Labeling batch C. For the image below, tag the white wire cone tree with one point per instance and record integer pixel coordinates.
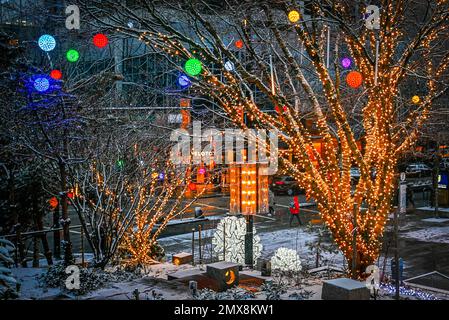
(302, 84)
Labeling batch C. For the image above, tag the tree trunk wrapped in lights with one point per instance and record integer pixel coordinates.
(280, 62)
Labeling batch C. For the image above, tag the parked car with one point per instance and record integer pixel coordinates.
(285, 185)
(444, 164)
(418, 170)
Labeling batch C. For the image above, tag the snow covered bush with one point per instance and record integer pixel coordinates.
(230, 236)
(91, 279)
(8, 285)
(285, 260)
(230, 294)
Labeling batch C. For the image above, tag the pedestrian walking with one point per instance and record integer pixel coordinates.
(294, 211)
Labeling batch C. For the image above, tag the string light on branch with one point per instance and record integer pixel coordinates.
(100, 40)
(72, 55)
(46, 42)
(354, 79)
(293, 16)
(193, 67)
(56, 74)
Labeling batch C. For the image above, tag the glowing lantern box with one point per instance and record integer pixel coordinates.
(248, 189)
(225, 273)
(182, 258)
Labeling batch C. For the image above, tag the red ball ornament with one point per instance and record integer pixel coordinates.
(354, 79)
(100, 40)
(56, 74)
(239, 44)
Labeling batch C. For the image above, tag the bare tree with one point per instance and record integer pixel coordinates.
(285, 65)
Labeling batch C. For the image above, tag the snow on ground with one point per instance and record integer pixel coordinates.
(429, 234)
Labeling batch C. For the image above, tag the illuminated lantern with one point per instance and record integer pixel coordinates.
(354, 79)
(193, 67)
(46, 42)
(201, 171)
(53, 202)
(416, 99)
(184, 81)
(239, 44)
(41, 84)
(230, 277)
(100, 40)
(56, 74)
(229, 66)
(72, 55)
(248, 189)
(293, 16)
(346, 62)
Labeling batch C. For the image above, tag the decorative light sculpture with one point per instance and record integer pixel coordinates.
(346, 62)
(416, 99)
(72, 55)
(286, 260)
(293, 16)
(229, 240)
(100, 40)
(56, 74)
(193, 67)
(41, 84)
(46, 42)
(354, 79)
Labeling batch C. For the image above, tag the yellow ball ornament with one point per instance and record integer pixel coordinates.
(416, 99)
(293, 16)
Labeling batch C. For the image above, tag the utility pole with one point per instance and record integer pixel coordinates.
(402, 207)
(354, 243)
(249, 241)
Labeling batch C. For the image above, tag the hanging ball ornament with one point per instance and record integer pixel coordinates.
(416, 99)
(193, 67)
(229, 66)
(354, 79)
(46, 42)
(41, 84)
(100, 40)
(72, 55)
(184, 81)
(293, 16)
(239, 44)
(56, 74)
(346, 62)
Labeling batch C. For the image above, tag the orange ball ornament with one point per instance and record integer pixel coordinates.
(239, 44)
(354, 79)
(53, 202)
